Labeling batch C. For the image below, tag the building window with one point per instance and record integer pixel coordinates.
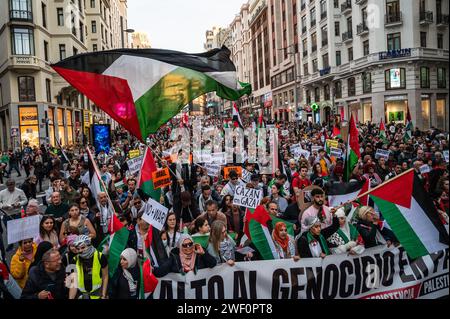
(74, 28)
(308, 97)
(326, 92)
(26, 89)
(350, 54)
(81, 32)
(314, 42)
(48, 90)
(94, 47)
(394, 41)
(395, 79)
(424, 77)
(304, 24)
(92, 3)
(337, 29)
(46, 50)
(94, 26)
(317, 94)
(442, 78)
(323, 9)
(44, 15)
(366, 47)
(305, 47)
(22, 41)
(324, 34)
(75, 51)
(62, 51)
(351, 87)
(29, 125)
(315, 65)
(423, 39)
(367, 82)
(305, 69)
(440, 41)
(338, 58)
(312, 14)
(338, 89)
(21, 9)
(60, 15)
(61, 133)
(325, 61)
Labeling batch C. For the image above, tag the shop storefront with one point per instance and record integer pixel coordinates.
(425, 109)
(395, 108)
(354, 108)
(69, 125)
(367, 110)
(51, 126)
(61, 135)
(29, 125)
(441, 123)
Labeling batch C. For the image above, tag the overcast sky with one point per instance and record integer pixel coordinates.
(180, 24)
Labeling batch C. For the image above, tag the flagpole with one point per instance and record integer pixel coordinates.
(372, 189)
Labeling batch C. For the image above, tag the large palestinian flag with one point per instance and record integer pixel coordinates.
(339, 193)
(144, 88)
(411, 215)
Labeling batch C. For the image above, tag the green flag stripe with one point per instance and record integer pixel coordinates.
(260, 240)
(350, 164)
(147, 188)
(175, 90)
(118, 244)
(401, 227)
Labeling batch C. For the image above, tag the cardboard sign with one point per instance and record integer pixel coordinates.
(23, 228)
(332, 143)
(336, 152)
(247, 197)
(424, 169)
(134, 165)
(213, 169)
(161, 178)
(228, 169)
(445, 153)
(155, 214)
(304, 153)
(133, 153)
(382, 153)
(296, 150)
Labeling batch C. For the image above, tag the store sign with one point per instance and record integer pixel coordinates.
(392, 54)
(395, 78)
(28, 116)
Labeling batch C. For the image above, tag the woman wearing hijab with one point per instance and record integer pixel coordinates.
(372, 230)
(347, 237)
(41, 249)
(313, 243)
(126, 280)
(186, 257)
(284, 243)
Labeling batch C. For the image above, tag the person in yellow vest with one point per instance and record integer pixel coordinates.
(91, 271)
(21, 261)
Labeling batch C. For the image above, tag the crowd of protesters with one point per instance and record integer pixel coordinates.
(75, 223)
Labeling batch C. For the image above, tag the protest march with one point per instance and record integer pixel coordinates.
(201, 207)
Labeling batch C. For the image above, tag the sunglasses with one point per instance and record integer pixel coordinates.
(188, 245)
(83, 202)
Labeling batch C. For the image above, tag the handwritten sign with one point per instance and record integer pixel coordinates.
(161, 178)
(23, 228)
(155, 214)
(133, 153)
(382, 153)
(134, 165)
(424, 169)
(228, 169)
(247, 197)
(213, 169)
(445, 153)
(336, 152)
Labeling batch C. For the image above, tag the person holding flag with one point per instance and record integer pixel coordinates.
(126, 281)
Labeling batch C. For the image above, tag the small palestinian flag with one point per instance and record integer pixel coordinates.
(144, 88)
(145, 177)
(336, 132)
(148, 279)
(383, 132)
(409, 126)
(236, 117)
(339, 193)
(257, 231)
(118, 239)
(353, 153)
(411, 215)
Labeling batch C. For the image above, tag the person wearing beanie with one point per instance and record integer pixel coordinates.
(347, 238)
(68, 258)
(313, 242)
(92, 271)
(186, 257)
(372, 230)
(126, 281)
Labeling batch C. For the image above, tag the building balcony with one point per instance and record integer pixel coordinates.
(393, 19)
(347, 36)
(362, 29)
(313, 23)
(25, 64)
(425, 17)
(442, 20)
(325, 71)
(21, 15)
(346, 7)
(360, 2)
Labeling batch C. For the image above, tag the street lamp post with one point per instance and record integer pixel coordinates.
(127, 31)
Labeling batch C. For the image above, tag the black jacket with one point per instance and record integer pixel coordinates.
(188, 214)
(173, 264)
(368, 232)
(118, 285)
(303, 246)
(39, 280)
(29, 189)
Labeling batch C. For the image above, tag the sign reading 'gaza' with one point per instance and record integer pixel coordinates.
(247, 197)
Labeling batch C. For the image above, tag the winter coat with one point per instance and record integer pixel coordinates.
(39, 280)
(19, 269)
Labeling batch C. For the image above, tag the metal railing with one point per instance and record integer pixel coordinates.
(361, 28)
(426, 17)
(442, 19)
(23, 15)
(347, 36)
(346, 7)
(393, 18)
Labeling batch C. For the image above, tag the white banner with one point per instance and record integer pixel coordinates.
(134, 165)
(23, 228)
(379, 273)
(382, 153)
(247, 197)
(155, 214)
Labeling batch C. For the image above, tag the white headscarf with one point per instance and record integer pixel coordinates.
(131, 256)
(346, 228)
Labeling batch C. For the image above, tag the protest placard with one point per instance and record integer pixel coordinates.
(445, 153)
(213, 169)
(304, 153)
(284, 133)
(161, 178)
(228, 169)
(424, 169)
(332, 143)
(134, 165)
(133, 153)
(247, 197)
(155, 214)
(218, 158)
(246, 175)
(336, 152)
(315, 148)
(382, 153)
(23, 228)
(296, 150)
